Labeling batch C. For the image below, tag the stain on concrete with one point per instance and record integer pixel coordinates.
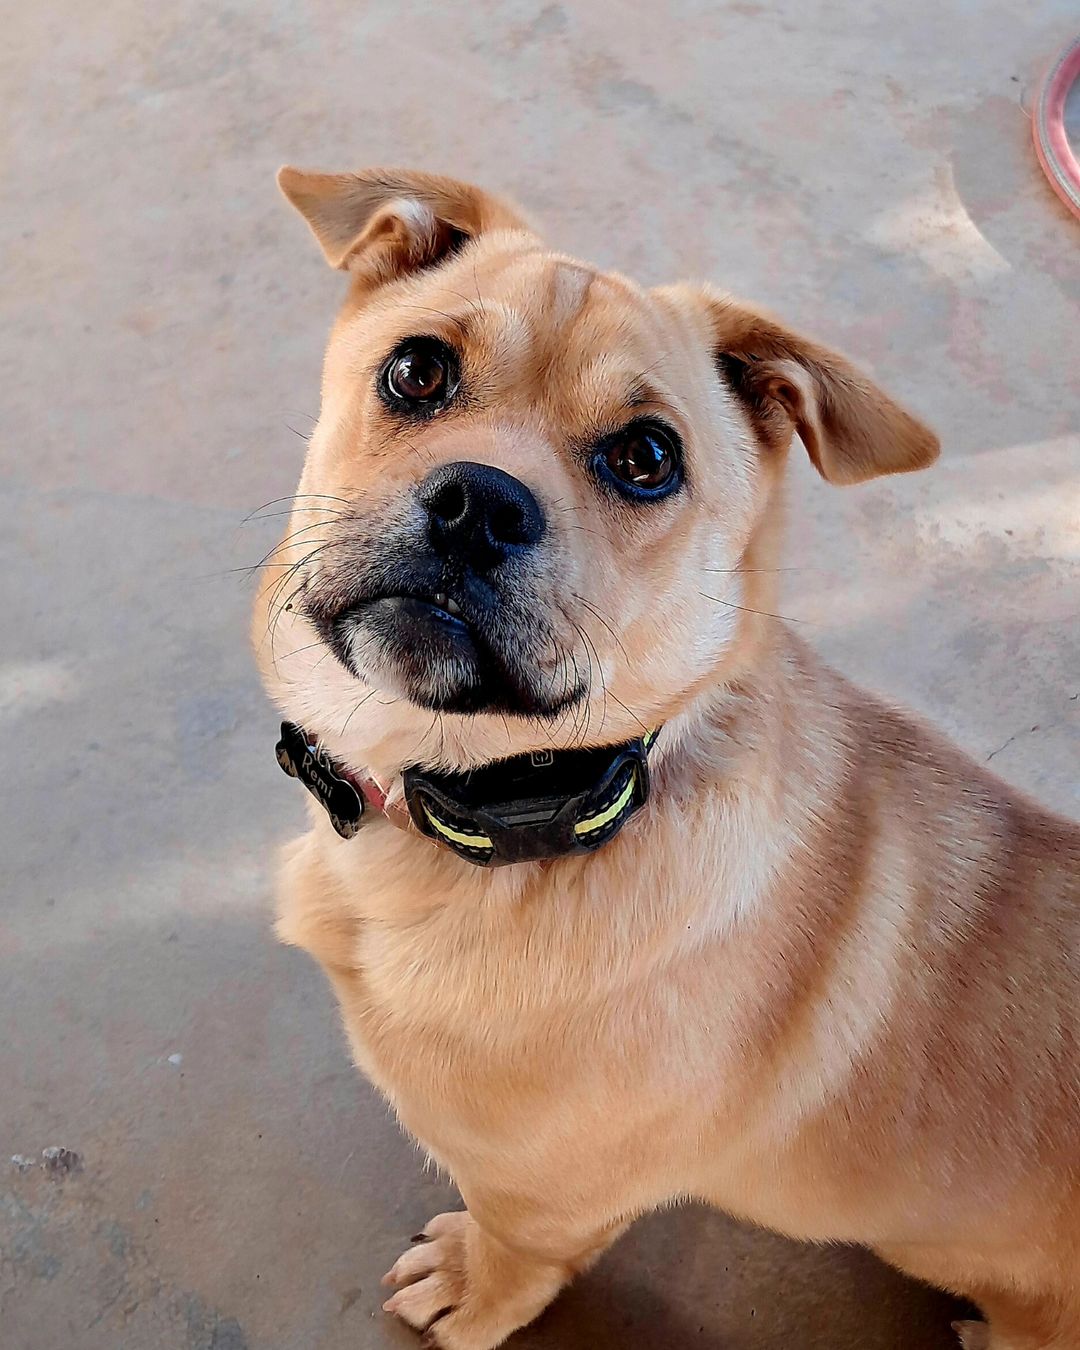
(117, 1238)
(551, 20)
(59, 1162)
(350, 1298)
(207, 1329)
(26, 1247)
(617, 93)
(55, 1161)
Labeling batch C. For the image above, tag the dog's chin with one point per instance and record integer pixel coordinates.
(443, 664)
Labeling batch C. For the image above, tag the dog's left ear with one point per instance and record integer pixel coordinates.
(852, 430)
(383, 223)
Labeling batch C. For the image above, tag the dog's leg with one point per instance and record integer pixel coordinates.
(1016, 1319)
(1026, 1323)
(470, 1289)
(973, 1335)
(1016, 1322)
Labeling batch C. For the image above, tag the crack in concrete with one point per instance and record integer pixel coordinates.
(1039, 726)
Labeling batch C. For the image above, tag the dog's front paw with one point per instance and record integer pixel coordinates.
(464, 1289)
(973, 1335)
(430, 1276)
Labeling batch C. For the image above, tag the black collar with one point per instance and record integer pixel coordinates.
(549, 804)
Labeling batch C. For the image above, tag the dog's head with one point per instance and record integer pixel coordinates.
(534, 504)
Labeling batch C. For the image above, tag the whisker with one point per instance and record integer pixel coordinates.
(585, 530)
(276, 606)
(745, 609)
(275, 609)
(287, 542)
(467, 300)
(750, 571)
(569, 711)
(318, 663)
(479, 297)
(423, 454)
(597, 615)
(590, 646)
(562, 656)
(295, 534)
(357, 708)
(647, 371)
(563, 663)
(645, 729)
(296, 511)
(249, 570)
(264, 562)
(296, 496)
(454, 319)
(307, 648)
(581, 726)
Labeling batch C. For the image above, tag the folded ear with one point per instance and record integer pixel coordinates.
(852, 430)
(383, 223)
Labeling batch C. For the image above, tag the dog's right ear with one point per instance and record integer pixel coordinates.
(384, 223)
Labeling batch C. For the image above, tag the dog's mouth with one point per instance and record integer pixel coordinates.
(466, 650)
(436, 622)
(447, 604)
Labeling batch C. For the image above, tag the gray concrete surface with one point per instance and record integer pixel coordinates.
(862, 167)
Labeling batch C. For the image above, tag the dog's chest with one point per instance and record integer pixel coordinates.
(493, 1022)
(482, 1006)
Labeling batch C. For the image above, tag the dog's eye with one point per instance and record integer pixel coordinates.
(422, 372)
(642, 459)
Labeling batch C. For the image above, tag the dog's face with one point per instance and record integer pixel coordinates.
(536, 494)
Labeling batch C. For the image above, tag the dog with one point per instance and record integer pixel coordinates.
(761, 940)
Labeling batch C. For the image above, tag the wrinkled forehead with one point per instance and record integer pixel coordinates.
(536, 328)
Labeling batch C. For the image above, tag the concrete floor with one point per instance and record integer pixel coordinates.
(862, 167)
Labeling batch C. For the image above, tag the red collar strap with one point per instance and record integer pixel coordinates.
(375, 795)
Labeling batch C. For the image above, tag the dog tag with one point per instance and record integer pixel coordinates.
(316, 770)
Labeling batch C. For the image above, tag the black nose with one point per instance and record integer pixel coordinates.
(479, 514)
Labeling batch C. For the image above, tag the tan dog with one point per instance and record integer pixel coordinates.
(829, 978)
